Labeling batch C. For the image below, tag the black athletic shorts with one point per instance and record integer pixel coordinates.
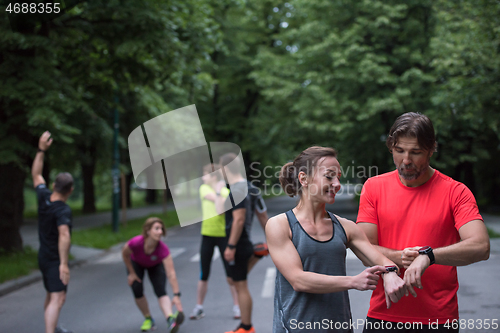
(208, 244)
(157, 276)
(239, 270)
(51, 280)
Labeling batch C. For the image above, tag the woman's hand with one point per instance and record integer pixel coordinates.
(133, 277)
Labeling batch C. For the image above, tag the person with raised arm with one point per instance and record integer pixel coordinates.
(54, 233)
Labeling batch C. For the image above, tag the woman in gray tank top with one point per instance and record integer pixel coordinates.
(308, 246)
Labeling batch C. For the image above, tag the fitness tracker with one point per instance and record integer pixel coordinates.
(40, 150)
(231, 246)
(427, 250)
(177, 294)
(392, 268)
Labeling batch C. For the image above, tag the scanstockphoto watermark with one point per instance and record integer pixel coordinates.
(264, 177)
(328, 324)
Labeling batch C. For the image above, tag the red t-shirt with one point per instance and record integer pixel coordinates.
(430, 214)
(136, 244)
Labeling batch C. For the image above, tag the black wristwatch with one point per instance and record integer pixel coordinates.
(427, 250)
(177, 294)
(392, 268)
(40, 150)
(231, 246)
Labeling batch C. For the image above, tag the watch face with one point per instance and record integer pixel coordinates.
(425, 249)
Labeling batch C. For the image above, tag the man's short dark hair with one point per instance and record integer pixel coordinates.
(413, 125)
(63, 183)
(231, 162)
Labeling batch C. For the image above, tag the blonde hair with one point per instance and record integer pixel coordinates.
(148, 224)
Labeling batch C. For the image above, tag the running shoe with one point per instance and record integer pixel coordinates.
(260, 250)
(148, 325)
(174, 321)
(236, 312)
(242, 330)
(198, 313)
(60, 329)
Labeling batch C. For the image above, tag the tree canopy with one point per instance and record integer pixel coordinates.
(272, 77)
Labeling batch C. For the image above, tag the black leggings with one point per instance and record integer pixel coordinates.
(207, 251)
(157, 276)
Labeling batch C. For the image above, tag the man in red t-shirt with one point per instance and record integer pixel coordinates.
(425, 222)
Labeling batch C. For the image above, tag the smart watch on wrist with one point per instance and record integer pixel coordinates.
(231, 246)
(392, 268)
(427, 250)
(177, 294)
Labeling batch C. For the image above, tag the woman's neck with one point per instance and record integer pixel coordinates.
(150, 244)
(311, 210)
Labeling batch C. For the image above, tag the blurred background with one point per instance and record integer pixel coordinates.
(274, 77)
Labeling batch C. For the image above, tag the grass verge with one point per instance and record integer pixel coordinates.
(103, 237)
(493, 234)
(13, 265)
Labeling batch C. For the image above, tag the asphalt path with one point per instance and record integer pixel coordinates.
(99, 299)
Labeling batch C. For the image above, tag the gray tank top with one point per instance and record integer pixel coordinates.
(305, 312)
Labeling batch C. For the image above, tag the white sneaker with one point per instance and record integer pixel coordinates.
(198, 313)
(236, 312)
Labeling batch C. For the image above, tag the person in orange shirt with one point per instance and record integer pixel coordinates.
(425, 222)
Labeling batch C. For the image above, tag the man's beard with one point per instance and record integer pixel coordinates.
(414, 174)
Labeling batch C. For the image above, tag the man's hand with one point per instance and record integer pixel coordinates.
(395, 288)
(229, 254)
(413, 274)
(64, 274)
(368, 279)
(133, 277)
(45, 141)
(409, 254)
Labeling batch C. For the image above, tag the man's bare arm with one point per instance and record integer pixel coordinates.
(36, 169)
(64, 243)
(263, 218)
(371, 232)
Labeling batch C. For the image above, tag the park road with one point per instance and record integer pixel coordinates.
(99, 299)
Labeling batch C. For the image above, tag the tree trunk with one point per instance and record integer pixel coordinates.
(88, 170)
(128, 181)
(11, 207)
(151, 197)
(468, 176)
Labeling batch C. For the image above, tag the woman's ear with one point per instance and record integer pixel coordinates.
(303, 178)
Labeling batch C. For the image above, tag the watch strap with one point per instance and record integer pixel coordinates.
(427, 250)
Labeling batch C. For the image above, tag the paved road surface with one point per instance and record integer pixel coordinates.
(99, 299)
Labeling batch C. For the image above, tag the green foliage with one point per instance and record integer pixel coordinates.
(103, 202)
(19, 263)
(493, 234)
(103, 237)
(339, 73)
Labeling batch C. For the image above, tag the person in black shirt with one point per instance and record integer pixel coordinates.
(239, 252)
(54, 232)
